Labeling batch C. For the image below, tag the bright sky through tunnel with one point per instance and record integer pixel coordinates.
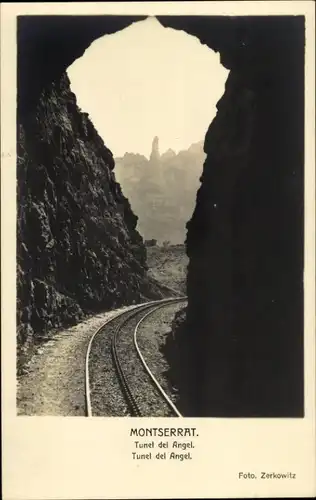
(147, 81)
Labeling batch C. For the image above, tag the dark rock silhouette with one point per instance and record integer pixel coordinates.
(240, 347)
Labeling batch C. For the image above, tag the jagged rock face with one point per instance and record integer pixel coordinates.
(241, 345)
(78, 249)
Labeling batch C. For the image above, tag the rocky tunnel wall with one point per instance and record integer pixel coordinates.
(240, 348)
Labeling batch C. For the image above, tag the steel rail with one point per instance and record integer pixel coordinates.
(133, 310)
(153, 378)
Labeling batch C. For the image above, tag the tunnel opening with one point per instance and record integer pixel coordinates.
(151, 93)
(241, 343)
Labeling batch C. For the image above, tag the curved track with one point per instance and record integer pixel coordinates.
(124, 322)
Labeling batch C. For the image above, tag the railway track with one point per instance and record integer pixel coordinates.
(117, 339)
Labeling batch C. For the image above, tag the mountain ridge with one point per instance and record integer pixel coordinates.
(162, 189)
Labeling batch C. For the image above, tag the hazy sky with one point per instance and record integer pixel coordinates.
(148, 80)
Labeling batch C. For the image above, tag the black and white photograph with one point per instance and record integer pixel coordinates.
(160, 216)
(158, 249)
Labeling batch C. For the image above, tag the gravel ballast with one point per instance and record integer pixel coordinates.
(53, 382)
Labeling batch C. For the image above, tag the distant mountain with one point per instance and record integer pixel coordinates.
(168, 154)
(162, 190)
